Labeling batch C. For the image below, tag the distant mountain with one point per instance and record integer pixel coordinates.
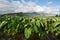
(25, 14)
(28, 14)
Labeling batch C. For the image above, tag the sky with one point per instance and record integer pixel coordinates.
(46, 6)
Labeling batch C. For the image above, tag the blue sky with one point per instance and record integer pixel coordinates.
(47, 6)
(41, 2)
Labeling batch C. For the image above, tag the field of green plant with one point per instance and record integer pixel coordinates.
(29, 28)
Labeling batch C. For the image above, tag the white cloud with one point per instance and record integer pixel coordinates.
(6, 7)
(30, 7)
(17, 6)
(38, 8)
(56, 10)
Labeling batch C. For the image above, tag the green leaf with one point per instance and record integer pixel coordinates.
(2, 24)
(38, 23)
(35, 28)
(27, 32)
(17, 28)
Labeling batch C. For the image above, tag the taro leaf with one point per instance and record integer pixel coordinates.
(27, 32)
(2, 24)
(56, 29)
(17, 28)
(33, 21)
(58, 33)
(38, 23)
(35, 28)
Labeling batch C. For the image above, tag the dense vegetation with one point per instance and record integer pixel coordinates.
(29, 28)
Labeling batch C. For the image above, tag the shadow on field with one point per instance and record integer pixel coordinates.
(20, 36)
